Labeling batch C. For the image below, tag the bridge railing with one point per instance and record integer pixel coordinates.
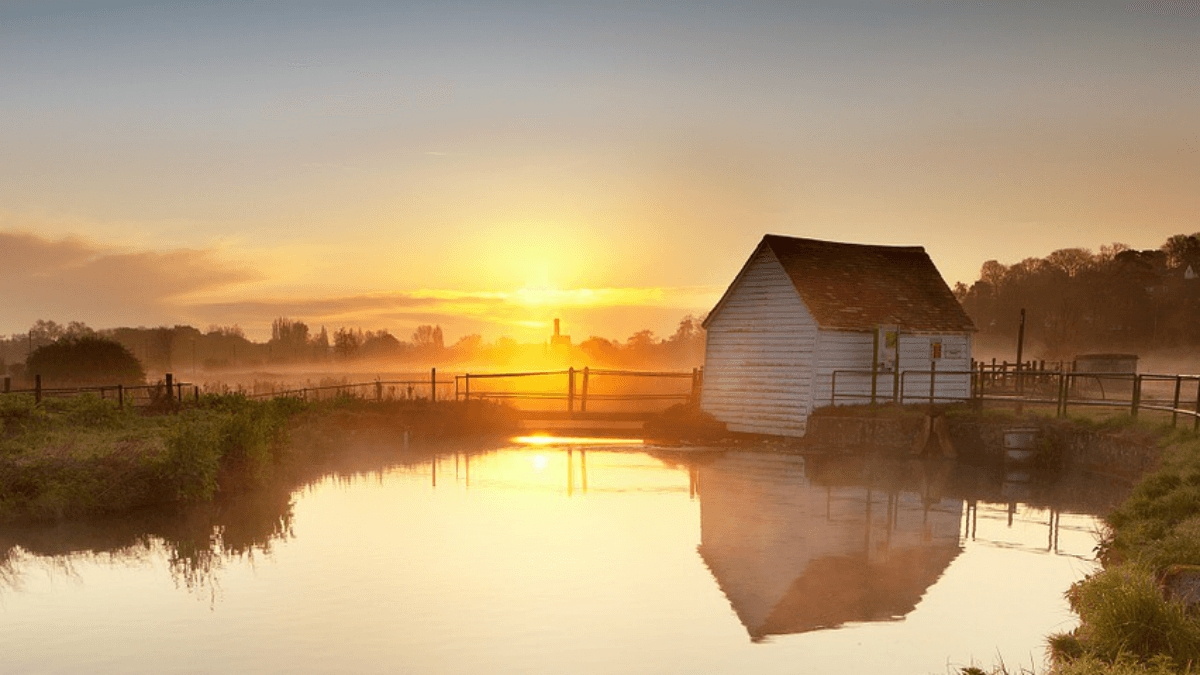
(574, 390)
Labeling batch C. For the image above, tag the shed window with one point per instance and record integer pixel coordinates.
(935, 349)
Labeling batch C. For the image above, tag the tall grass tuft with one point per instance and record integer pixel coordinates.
(1125, 616)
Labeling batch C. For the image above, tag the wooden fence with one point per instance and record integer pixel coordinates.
(555, 394)
(1031, 385)
(570, 392)
(167, 392)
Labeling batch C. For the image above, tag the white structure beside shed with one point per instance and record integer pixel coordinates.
(802, 313)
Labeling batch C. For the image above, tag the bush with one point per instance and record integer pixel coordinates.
(85, 360)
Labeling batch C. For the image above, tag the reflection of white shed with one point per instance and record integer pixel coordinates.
(792, 556)
(801, 310)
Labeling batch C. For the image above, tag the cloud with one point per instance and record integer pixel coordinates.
(75, 279)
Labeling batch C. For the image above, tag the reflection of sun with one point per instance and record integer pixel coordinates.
(539, 462)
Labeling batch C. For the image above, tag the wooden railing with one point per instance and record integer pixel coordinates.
(1169, 394)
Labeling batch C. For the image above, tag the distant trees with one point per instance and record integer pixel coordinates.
(187, 350)
(85, 360)
(1078, 300)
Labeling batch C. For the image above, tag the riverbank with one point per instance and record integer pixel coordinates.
(85, 456)
(1140, 614)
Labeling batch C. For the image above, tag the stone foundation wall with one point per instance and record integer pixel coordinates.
(1124, 455)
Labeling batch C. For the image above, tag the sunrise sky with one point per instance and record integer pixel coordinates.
(488, 166)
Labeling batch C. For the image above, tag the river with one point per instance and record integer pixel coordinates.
(556, 556)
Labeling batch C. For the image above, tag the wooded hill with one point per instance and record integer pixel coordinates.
(1077, 301)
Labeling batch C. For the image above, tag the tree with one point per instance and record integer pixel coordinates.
(289, 339)
(1182, 249)
(346, 342)
(85, 360)
(428, 338)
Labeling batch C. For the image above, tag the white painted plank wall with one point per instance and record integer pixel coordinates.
(843, 350)
(758, 359)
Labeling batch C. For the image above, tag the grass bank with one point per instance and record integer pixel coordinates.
(85, 456)
(1133, 618)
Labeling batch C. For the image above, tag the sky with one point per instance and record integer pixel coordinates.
(489, 166)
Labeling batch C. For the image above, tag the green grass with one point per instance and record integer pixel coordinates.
(1127, 624)
(85, 456)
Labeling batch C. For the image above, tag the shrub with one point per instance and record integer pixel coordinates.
(85, 360)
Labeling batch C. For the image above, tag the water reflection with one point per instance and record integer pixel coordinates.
(793, 555)
(549, 558)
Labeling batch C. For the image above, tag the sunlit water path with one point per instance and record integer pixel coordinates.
(536, 558)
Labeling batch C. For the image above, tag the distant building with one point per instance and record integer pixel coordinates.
(801, 310)
(559, 340)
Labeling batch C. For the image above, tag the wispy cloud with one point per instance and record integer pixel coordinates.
(75, 279)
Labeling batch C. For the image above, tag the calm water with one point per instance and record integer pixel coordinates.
(540, 559)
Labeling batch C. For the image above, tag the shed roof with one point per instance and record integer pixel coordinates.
(861, 286)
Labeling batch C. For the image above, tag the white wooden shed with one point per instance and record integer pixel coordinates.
(802, 313)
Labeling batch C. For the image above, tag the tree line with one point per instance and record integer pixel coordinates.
(185, 349)
(1117, 299)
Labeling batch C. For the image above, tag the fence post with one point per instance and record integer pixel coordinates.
(874, 365)
(932, 380)
(571, 390)
(1196, 419)
(121, 396)
(37, 389)
(896, 379)
(1137, 395)
(170, 387)
(694, 397)
(1175, 406)
(7, 384)
(433, 385)
(467, 387)
(583, 392)
(1061, 408)
(378, 390)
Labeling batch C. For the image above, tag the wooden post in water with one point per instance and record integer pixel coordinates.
(583, 391)
(37, 389)
(433, 385)
(1175, 405)
(570, 393)
(570, 471)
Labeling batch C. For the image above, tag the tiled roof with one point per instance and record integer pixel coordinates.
(859, 286)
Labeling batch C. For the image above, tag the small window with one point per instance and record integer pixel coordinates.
(935, 349)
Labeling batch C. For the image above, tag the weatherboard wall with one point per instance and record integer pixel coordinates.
(759, 353)
(849, 354)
